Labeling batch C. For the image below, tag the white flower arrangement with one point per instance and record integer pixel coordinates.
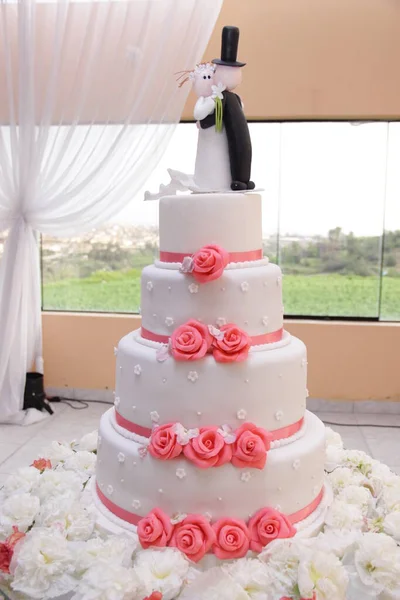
(355, 557)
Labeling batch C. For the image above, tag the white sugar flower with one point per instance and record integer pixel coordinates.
(252, 575)
(359, 460)
(137, 369)
(117, 401)
(89, 442)
(187, 265)
(81, 462)
(53, 483)
(360, 496)
(343, 477)
(279, 415)
(181, 473)
(115, 549)
(68, 516)
(241, 414)
(183, 435)
(149, 286)
(110, 582)
(193, 288)
(169, 321)
(214, 584)
(391, 525)
(193, 376)
(45, 565)
(19, 510)
(57, 452)
(343, 516)
(22, 481)
(245, 476)
(216, 333)
(227, 433)
(136, 504)
(323, 574)
(178, 518)
(377, 563)
(164, 569)
(244, 286)
(221, 321)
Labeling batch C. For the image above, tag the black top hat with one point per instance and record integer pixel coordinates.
(229, 48)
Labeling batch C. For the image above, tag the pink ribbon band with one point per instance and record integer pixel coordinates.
(234, 257)
(256, 340)
(134, 519)
(277, 434)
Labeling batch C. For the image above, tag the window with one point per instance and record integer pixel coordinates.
(331, 219)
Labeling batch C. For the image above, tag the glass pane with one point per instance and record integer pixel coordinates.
(390, 298)
(331, 217)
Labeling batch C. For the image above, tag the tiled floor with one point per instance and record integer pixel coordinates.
(20, 445)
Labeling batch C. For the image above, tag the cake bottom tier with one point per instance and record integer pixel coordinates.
(131, 482)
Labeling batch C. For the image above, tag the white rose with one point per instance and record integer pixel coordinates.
(359, 460)
(19, 510)
(22, 481)
(252, 575)
(360, 496)
(282, 559)
(390, 498)
(116, 549)
(55, 483)
(323, 574)
(342, 477)
(391, 525)
(82, 462)
(377, 563)
(89, 442)
(164, 569)
(57, 452)
(333, 439)
(343, 516)
(44, 565)
(337, 542)
(213, 584)
(75, 521)
(109, 582)
(333, 458)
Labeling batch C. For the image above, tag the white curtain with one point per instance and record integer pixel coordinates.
(88, 102)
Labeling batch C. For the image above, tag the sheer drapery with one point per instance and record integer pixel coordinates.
(88, 101)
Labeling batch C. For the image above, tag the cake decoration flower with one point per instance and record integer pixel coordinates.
(251, 446)
(190, 341)
(233, 346)
(208, 449)
(267, 525)
(233, 538)
(164, 443)
(194, 536)
(155, 529)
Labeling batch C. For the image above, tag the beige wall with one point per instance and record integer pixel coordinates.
(347, 361)
(316, 58)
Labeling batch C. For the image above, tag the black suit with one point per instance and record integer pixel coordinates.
(237, 132)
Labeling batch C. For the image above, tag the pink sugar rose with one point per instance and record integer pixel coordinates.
(7, 549)
(233, 347)
(266, 525)
(155, 529)
(193, 536)
(41, 464)
(233, 538)
(251, 447)
(209, 263)
(190, 341)
(208, 449)
(163, 443)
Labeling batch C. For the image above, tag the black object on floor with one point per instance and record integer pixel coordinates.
(34, 395)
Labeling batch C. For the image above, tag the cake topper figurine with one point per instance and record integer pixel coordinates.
(223, 159)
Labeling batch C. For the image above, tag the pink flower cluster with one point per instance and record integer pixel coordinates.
(211, 448)
(226, 538)
(207, 264)
(7, 549)
(193, 340)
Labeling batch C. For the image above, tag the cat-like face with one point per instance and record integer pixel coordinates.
(202, 79)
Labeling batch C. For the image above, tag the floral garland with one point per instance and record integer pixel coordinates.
(212, 446)
(50, 544)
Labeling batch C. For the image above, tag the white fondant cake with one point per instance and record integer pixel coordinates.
(211, 381)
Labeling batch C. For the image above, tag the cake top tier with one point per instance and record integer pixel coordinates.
(189, 222)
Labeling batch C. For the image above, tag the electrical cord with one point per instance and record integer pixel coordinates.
(360, 425)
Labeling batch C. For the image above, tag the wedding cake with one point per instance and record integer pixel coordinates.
(209, 447)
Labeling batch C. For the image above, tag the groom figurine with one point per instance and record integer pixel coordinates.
(228, 72)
